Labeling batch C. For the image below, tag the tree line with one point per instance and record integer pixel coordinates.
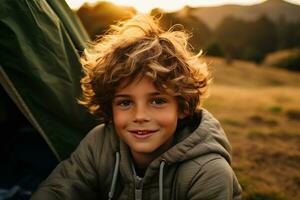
(233, 38)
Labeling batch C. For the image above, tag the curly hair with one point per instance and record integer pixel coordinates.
(139, 47)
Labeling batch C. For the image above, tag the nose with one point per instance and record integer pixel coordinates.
(141, 113)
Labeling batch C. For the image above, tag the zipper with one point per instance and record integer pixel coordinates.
(138, 188)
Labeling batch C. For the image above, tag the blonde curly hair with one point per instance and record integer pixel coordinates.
(139, 47)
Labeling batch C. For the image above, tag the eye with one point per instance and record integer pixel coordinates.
(125, 103)
(158, 101)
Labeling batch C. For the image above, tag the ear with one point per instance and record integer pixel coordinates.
(182, 115)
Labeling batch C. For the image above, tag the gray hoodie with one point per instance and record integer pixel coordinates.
(196, 167)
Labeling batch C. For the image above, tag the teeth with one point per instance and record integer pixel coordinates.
(140, 132)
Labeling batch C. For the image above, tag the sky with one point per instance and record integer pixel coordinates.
(170, 5)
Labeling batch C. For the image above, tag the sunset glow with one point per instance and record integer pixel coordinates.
(169, 5)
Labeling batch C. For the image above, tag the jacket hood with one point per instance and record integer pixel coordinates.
(201, 134)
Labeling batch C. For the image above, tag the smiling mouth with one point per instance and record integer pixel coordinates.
(141, 134)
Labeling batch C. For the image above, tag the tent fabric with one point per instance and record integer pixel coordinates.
(40, 43)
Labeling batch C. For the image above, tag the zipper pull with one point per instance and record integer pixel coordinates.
(138, 188)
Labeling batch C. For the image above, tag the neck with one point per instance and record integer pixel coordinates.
(143, 159)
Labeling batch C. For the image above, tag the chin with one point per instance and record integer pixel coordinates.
(143, 149)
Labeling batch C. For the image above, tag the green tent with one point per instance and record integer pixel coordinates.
(40, 45)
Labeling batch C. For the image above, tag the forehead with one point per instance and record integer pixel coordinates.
(139, 85)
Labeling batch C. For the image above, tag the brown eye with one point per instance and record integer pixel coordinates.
(158, 101)
(124, 103)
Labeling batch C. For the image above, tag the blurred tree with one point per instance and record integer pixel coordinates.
(232, 35)
(200, 32)
(214, 49)
(262, 39)
(247, 40)
(288, 34)
(97, 18)
(283, 29)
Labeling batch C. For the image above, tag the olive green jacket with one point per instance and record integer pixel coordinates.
(196, 167)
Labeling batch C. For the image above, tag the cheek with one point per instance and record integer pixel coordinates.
(168, 118)
(119, 119)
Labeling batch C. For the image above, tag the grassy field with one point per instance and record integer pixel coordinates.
(259, 108)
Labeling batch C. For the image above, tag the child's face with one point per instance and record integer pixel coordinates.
(144, 117)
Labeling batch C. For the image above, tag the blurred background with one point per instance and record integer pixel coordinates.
(253, 51)
(252, 48)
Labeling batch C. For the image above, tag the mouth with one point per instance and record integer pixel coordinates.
(142, 134)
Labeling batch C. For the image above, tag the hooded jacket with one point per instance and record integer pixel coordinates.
(196, 167)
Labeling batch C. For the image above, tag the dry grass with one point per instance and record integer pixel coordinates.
(259, 109)
(250, 75)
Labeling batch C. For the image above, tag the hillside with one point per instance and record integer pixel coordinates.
(259, 109)
(274, 9)
(250, 75)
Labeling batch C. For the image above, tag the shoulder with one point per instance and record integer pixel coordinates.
(206, 176)
(215, 179)
(99, 143)
(212, 169)
(210, 163)
(100, 134)
(96, 132)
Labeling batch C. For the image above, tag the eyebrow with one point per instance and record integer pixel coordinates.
(127, 95)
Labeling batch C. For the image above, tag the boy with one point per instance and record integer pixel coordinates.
(155, 141)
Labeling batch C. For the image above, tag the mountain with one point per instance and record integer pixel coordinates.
(274, 9)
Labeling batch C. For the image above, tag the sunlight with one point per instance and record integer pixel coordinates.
(169, 5)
